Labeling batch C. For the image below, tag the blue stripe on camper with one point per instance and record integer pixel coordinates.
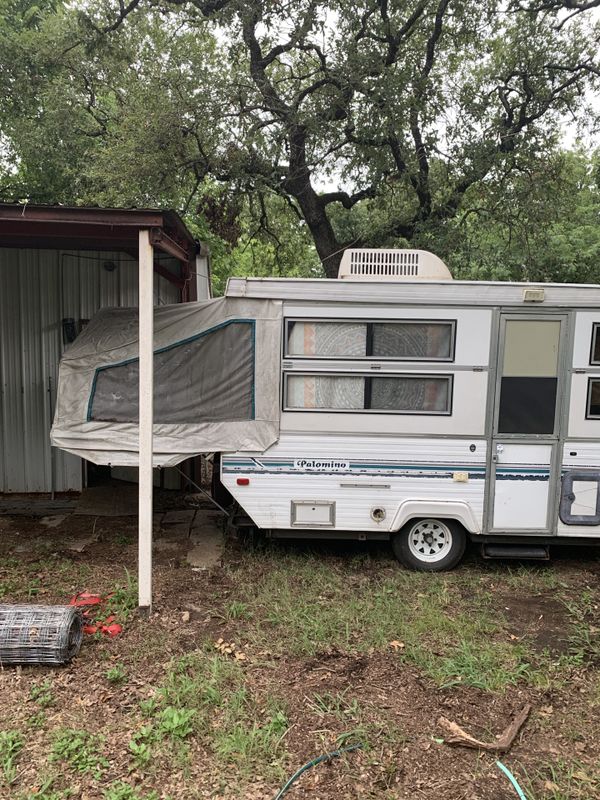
(268, 466)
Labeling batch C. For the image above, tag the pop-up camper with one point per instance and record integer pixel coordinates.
(393, 403)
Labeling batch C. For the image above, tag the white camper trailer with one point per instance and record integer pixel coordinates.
(427, 410)
(391, 403)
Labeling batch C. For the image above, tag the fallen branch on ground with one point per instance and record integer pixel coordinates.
(458, 736)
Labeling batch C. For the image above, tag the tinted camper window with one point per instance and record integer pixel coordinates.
(404, 340)
(408, 394)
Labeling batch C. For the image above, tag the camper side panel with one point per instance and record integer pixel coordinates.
(383, 419)
(579, 503)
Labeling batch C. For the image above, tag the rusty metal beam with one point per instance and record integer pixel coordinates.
(164, 242)
(134, 218)
(160, 270)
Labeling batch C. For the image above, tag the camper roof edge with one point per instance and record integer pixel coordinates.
(485, 293)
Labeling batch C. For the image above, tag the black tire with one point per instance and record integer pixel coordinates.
(430, 545)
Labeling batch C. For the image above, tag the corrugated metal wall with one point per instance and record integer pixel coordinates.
(38, 289)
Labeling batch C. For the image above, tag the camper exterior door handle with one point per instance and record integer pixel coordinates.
(499, 449)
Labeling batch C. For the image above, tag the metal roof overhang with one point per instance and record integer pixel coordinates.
(110, 229)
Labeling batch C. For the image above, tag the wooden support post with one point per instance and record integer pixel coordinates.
(146, 419)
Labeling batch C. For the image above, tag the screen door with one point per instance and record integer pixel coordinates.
(524, 468)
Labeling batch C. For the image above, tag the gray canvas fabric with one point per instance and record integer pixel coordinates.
(217, 366)
(209, 378)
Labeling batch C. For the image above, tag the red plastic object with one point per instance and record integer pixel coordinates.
(86, 599)
(92, 617)
(90, 628)
(243, 481)
(112, 630)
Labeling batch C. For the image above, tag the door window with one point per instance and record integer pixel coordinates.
(529, 377)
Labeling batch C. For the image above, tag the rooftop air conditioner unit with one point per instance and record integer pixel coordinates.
(392, 265)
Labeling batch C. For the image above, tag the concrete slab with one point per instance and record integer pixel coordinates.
(176, 533)
(53, 521)
(207, 543)
(167, 544)
(79, 545)
(184, 516)
(206, 516)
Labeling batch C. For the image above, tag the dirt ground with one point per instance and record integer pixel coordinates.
(282, 653)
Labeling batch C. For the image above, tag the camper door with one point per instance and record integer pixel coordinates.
(524, 458)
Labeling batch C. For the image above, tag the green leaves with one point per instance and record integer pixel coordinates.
(372, 124)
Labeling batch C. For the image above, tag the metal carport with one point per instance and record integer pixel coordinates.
(161, 244)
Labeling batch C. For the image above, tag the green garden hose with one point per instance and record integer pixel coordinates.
(313, 763)
(512, 779)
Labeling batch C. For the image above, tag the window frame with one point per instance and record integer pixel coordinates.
(369, 339)
(588, 397)
(567, 497)
(368, 376)
(595, 329)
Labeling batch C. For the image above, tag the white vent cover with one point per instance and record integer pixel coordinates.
(392, 265)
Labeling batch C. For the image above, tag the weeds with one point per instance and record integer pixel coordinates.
(41, 694)
(175, 722)
(124, 599)
(116, 675)
(123, 791)
(11, 744)
(235, 610)
(335, 704)
(244, 742)
(140, 746)
(79, 749)
(45, 791)
(38, 720)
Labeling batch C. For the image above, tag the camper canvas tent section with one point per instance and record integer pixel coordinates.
(216, 372)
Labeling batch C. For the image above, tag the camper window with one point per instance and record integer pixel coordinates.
(595, 354)
(406, 340)
(529, 380)
(219, 361)
(593, 399)
(404, 394)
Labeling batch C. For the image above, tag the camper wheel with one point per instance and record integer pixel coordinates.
(430, 545)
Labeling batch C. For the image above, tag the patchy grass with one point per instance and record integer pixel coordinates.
(300, 605)
(286, 654)
(561, 780)
(206, 694)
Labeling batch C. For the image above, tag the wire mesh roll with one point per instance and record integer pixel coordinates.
(39, 634)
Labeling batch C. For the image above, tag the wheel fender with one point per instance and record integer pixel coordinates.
(436, 509)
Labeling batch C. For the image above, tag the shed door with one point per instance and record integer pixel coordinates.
(524, 464)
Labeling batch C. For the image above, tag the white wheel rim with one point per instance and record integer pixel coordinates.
(430, 540)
